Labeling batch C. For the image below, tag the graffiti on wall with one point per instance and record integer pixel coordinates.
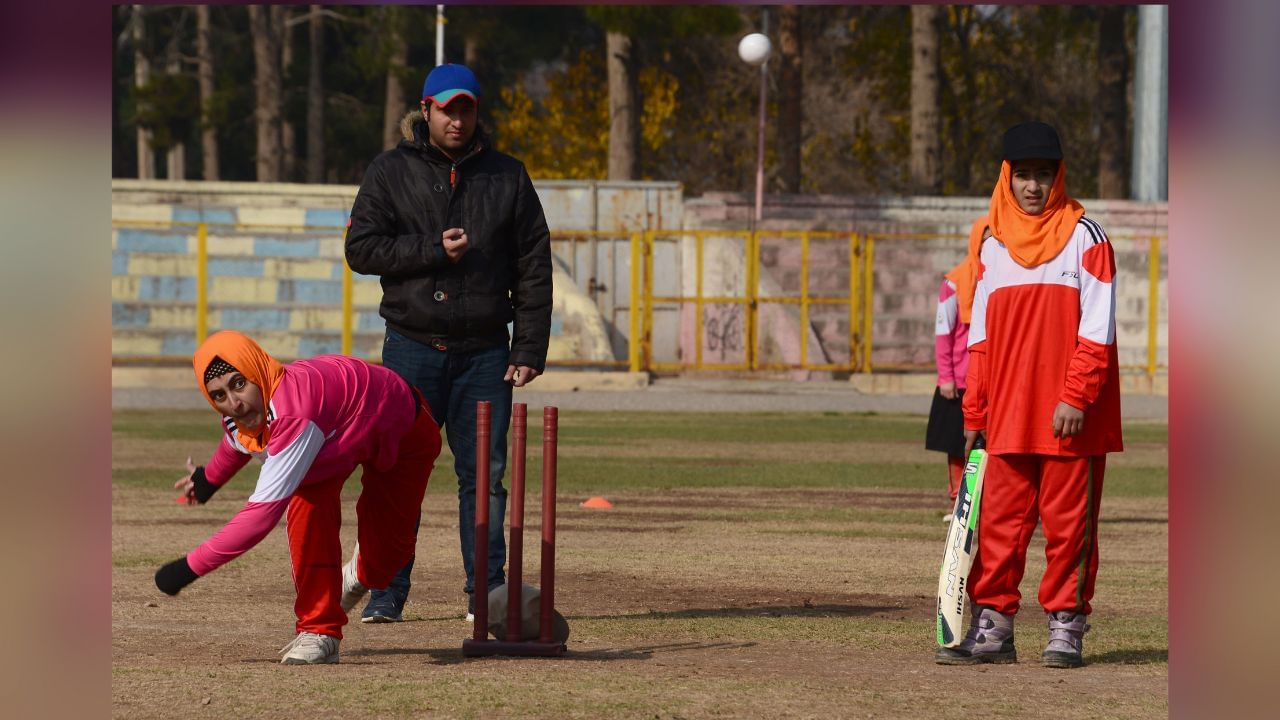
(723, 334)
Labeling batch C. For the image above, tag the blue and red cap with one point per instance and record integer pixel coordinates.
(448, 82)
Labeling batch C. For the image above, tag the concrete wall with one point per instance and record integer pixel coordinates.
(285, 285)
(922, 238)
(270, 277)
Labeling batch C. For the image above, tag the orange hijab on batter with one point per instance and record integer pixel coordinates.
(1033, 240)
(254, 363)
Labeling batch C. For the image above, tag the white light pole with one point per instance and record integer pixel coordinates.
(754, 49)
(439, 35)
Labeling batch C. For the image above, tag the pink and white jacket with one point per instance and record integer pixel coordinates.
(327, 415)
(951, 338)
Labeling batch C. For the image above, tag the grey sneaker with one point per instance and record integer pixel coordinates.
(989, 640)
(352, 589)
(310, 649)
(1066, 640)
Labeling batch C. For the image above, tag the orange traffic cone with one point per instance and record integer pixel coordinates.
(597, 502)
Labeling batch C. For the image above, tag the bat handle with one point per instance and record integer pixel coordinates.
(980, 442)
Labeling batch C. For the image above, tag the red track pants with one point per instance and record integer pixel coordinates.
(955, 474)
(386, 516)
(1063, 493)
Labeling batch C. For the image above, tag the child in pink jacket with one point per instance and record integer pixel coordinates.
(945, 432)
(311, 423)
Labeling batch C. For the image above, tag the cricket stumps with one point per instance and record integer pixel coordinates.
(545, 644)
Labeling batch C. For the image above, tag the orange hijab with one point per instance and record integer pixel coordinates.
(254, 363)
(965, 275)
(1033, 239)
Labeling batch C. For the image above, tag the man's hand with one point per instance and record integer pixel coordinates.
(520, 375)
(1067, 420)
(947, 390)
(455, 243)
(970, 437)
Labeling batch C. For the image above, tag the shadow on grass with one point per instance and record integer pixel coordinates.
(1143, 656)
(443, 656)
(807, 610)
(161, 522)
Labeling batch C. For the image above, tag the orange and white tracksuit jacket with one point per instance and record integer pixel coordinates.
(1040, 336)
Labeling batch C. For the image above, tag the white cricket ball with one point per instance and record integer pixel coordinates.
(755, 48)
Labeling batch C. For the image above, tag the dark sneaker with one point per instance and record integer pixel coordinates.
(989, 640)
(1066, 640)
(384, 607)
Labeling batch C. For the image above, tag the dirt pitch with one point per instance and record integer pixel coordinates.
(684, 603)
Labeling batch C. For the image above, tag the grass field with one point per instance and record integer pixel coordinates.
(765, 565)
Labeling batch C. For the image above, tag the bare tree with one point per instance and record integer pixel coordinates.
(288, 134)
(315, 97)
(394, 106)
(176, 154)
(790, 97)
(264, 26)
(141, 77)
(926, 121)
(204, 73)
(1111, 104)
(624, 115)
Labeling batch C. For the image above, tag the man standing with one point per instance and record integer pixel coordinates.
(457, 234)
(1044, 389)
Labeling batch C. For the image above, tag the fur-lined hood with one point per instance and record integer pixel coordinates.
(407, 122)
(409, 128)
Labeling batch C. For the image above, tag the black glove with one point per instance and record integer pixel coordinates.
(204, 489)
(174, 576)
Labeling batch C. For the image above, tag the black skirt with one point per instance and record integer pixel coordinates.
(945, 432)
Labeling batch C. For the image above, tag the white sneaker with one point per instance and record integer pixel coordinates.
(946, 518)
(352, 589)
(310, 649)
(471, 617)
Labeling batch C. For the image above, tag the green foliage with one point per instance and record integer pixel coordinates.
(164, 107)
(666, 22)
(1000, 65)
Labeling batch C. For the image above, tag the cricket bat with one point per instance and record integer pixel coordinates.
(962, 544)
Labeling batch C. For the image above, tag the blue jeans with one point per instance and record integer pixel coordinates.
(452, 383)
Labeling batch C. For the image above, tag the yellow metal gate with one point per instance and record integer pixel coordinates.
(728, 315)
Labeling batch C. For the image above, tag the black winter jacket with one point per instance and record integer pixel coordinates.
(404, 205)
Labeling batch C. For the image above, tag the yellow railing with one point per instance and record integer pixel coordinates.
(642, 300)
(1153, 303)
(751, 300)
(1151, 367)
(348, 285)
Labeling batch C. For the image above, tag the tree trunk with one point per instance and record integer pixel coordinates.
(288, 133)
(176, 154)
(624, 116)
(266, 81)
(790, 97)
(962, 92)
(204, 59)
(315, 98)
(926, 126)
(394, 107)
(1113, 81)
(142, 76)
(471, 52)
